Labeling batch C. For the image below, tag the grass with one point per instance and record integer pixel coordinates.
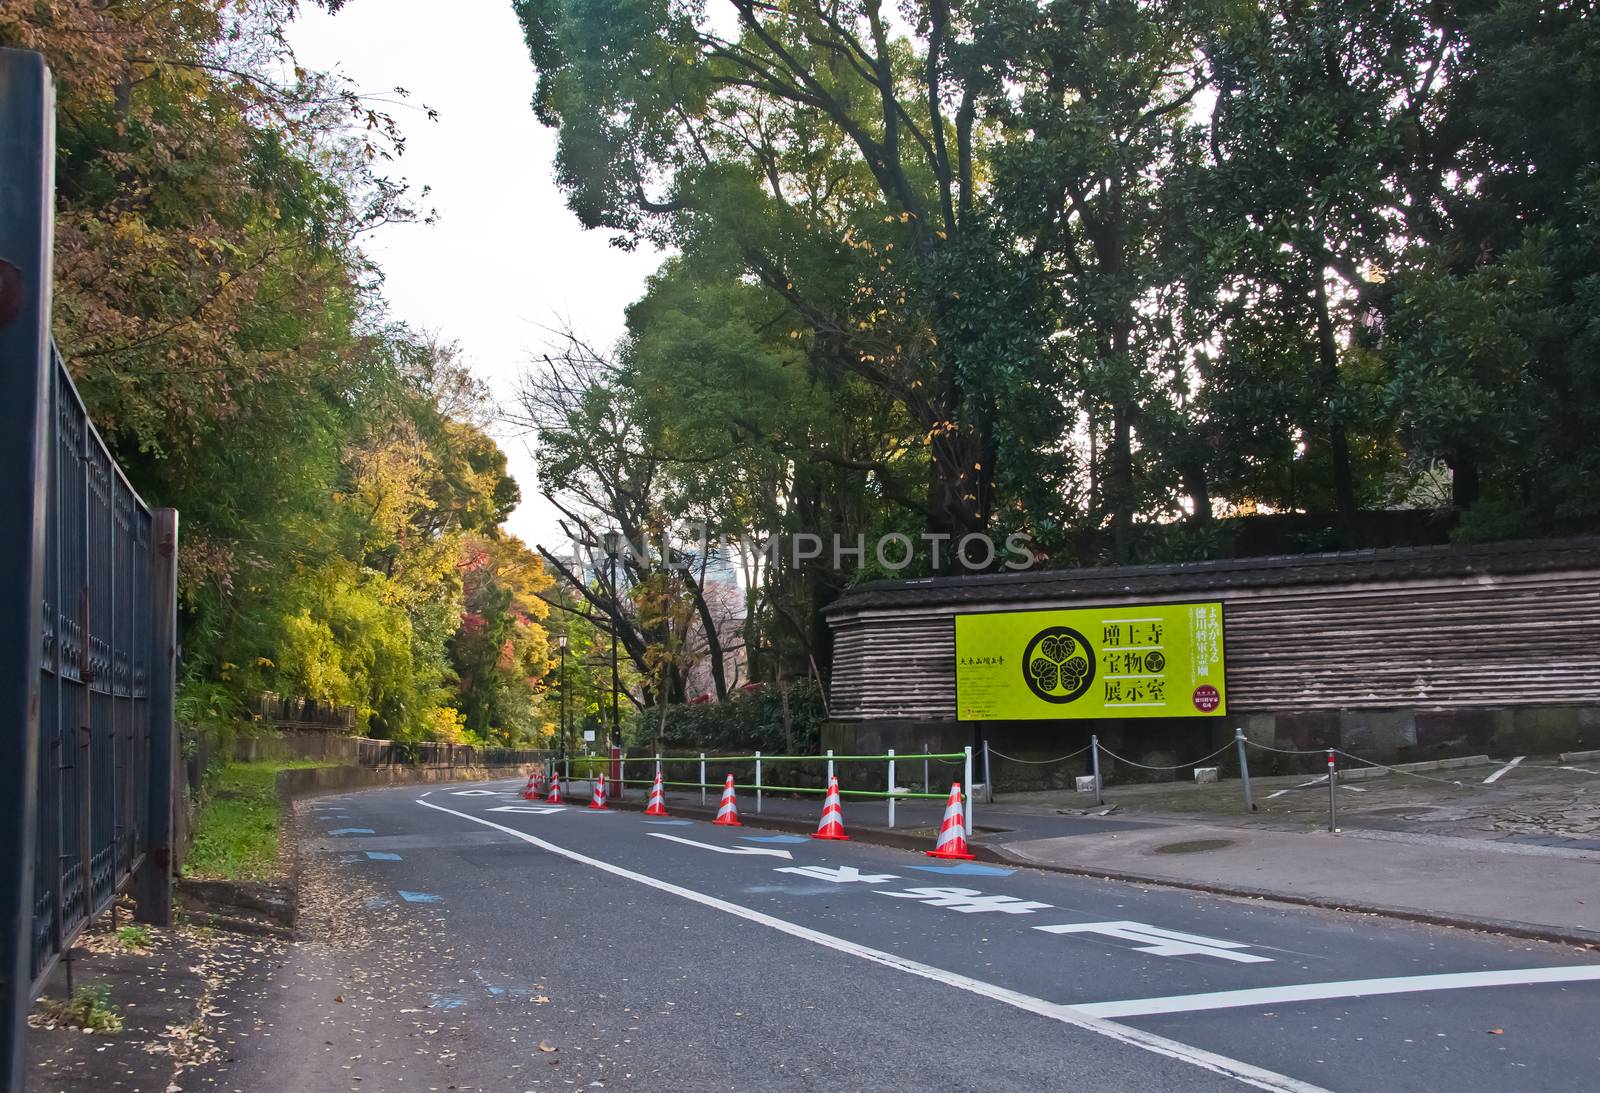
(135, 936)
(90, 1008)
(236, 833)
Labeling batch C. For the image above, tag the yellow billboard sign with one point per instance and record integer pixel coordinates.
(1143, 660)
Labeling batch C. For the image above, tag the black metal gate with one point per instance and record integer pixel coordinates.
(87, 615)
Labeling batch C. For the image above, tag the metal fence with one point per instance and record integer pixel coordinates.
(87, 615)
(95, 709)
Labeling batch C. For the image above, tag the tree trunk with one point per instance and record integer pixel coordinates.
(1344, 490)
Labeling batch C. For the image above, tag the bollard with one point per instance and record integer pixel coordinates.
(1244, 770)
(891, 787)
(1094, 754)
(702, 779)
(1333, 789)
(927, 784)
(968, 810)
(758, 781)
(830, 764)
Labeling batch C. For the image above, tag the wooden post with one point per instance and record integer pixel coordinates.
(154, 882)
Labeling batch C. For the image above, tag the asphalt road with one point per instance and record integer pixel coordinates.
(458, 933)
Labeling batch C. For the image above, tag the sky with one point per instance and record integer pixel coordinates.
(506, 259)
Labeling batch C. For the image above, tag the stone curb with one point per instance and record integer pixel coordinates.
(1358, 774)
(998, 854)
(1579, 756)
(1531, 930)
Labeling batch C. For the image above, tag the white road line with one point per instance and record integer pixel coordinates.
(1495, 777)
(1280, 793)
(1581, 770)
(1352, 988)
(724, 849)
(1255, 1076)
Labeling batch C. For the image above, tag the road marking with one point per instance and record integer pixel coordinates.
(843, 874)
(1495, 777)
(381, 855)
(1159, 942)
(420, 897)
(429, 791)
(530, 810)
(1280, 793)
(722, 849)
(352, 831)
(965, 869)
(1249, 1074)
(1314, 782)
(1352, 988)
(1581, 770)
(970, 901)
(774, 838)
(474, 793)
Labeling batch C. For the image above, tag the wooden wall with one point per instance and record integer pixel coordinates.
(1484, 641)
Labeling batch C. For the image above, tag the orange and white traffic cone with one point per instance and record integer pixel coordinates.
(832, 824)
(952, 841)
(599, 800)
(728, 810)
(530, 791)
(555, 790)
(658, 799)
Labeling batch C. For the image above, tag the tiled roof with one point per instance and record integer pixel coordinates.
(1184, 578)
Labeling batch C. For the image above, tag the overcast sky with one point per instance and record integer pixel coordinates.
(506, 257)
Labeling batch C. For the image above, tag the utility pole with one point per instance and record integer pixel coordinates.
(562, 735)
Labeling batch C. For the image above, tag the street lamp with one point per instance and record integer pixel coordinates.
(562, 642)
(613, 541)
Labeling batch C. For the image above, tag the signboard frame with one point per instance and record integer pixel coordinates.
(1068, 623)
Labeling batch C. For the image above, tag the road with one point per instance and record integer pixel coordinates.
(458, 933)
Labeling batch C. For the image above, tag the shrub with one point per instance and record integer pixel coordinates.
(745, 722)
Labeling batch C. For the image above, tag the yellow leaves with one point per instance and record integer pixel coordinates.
(941, 235)
(904, 217)
(264, 662)
(794, 333)
(888, 220)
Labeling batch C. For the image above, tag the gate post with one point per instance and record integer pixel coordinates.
(27, 189)
(154, 883)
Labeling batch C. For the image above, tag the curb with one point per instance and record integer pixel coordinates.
(997, 854)
(1532, 931)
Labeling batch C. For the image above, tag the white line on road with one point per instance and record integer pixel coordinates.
(1581, 770)
(1495, 777)
(1280, 793)
(724, 849)
(1247, 1073)
(1351, 988)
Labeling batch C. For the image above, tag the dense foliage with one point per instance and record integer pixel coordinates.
(340, 499)
(1112, 273)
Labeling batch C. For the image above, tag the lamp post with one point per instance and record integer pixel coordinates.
(613, 546)
(561, 640)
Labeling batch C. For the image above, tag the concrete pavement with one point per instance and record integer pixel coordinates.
(456, 936)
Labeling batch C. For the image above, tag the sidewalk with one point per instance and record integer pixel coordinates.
(1520, 855)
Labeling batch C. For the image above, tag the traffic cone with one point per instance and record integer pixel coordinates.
(599, 800)
(530, 791)
(832, 825)
(555, 790)
(952, 841)
(728, 810)
(658, 799)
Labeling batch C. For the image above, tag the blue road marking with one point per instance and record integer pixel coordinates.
(382, 855)
(352, 831)
(774, 838)
(445, 1001)
(420, 897)
(670, 823)
(376, 902)
(965, 869)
